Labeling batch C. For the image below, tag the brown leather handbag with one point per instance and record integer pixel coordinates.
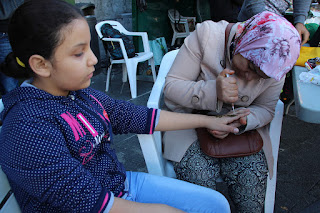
(245, 144)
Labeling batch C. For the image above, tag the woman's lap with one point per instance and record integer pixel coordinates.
(147, 188)
(196, 167)
(246, 177)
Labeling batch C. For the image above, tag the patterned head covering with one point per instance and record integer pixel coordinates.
(270, 42)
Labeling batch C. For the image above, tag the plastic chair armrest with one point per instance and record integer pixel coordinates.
(123, 49)
(136, 33)
(156, 93)
(144, 37)
(187, 17)
(181, 21)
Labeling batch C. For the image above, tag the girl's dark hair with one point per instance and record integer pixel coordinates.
(35, 28)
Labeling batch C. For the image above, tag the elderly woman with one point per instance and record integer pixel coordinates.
(256, 55)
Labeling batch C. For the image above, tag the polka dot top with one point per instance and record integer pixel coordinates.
(56, 150)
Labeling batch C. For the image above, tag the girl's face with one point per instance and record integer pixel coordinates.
(245, 69)
(73, 61)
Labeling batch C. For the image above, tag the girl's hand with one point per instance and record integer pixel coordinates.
(237, 123)
(227, 89)
(233, 121)
(241, 121)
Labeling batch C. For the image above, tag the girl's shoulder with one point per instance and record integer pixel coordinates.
(94, 94)
(28, 103)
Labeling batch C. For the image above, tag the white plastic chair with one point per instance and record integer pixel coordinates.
(151, 145)
(176, 18)
(129, 65)
(7, 198)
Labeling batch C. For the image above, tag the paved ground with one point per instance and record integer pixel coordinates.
(298, 184)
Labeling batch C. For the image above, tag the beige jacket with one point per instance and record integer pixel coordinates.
(191, 84)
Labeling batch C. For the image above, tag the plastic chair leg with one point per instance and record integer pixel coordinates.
(174, 38)
(155, 161)
(288, 107)
(124, 73)
(132, 74)
(108, 77)
(153, 69)
(275, 133)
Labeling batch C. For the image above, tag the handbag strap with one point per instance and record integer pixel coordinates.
(227, 33)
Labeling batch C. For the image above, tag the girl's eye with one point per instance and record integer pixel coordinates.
(79, 54)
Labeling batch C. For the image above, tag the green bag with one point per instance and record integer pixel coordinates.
(159, 49)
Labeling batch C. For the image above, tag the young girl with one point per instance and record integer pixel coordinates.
(56, 133)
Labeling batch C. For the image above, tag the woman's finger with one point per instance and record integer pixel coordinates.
(243, 120)
(226, 128)
(221, 135)
(235, 123)
(225, 72)
(232, 82)
(229, 118)
(216, 133)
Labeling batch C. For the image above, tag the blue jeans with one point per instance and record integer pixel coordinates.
(6, 83)
(147, 188)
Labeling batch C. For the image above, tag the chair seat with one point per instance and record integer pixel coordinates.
(140, 57)
(143, 56)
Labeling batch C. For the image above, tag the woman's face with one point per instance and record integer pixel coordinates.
(245, 69)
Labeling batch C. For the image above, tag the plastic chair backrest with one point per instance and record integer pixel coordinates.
(151, 145)
(4, 185)
(8, 203)
(98, 29)
(165, 66)
(116, 25)
(174, 15)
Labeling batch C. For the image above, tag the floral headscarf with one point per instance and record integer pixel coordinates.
(270, 42)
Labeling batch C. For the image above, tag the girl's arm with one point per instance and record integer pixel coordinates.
(169, 121)
(122, 205)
